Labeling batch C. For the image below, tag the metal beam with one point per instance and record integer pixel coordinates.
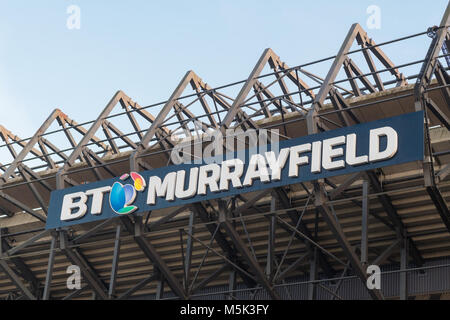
(271, 241)
(248, 257)
(211, 277)
(159, 120)
(160, 288)
(76, 293)
(153, 255)
(267, 56)
(34, 190)
(22, 206)
(188, 257)
(92, 231)
(49, 276)
(337, 63)
(115, 263)
(222, 242)
(344, 185)
(424, 77)
(76, 258)
(404, 266)
(26, 243)
(423, 81)
(443, 173)
(16, 280)
(31, 143)
(320, 202)
(88, 136)
(294, 216)
(387, 252)
(438, 113)
(312, 276)
(20, 266)
(138, 286)
(440, 204)
(364, 223)
(292, 267)
(443, 79)
(166, 217)
(394, 216)
(252, 78)
(231, 284)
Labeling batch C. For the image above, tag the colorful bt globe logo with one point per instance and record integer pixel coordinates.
(122, 196)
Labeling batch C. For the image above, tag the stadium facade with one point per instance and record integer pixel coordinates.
(311, 238)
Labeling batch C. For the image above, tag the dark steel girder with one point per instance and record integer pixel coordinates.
(425, 74)
(247, 256)
(294, 216)
(320, 202)
(151, 253)
(115, 263)
(138, 286)
(223, 243)
(444, 80)
(433, 107)
(23, 270)
(394, 216)
(440, 204)
(385, 200)
(431, 64)
(76, 258)
(16, 280)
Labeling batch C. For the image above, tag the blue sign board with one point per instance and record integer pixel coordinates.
(342, 151)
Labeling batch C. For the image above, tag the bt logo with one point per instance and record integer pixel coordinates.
(122, 196)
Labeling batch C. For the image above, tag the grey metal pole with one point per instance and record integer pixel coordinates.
(404, 274)
(188, 257)
(364, 223)
(115, 263)
(48, 278)
(271, 242)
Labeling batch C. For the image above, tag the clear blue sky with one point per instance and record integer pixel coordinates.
(145, 47)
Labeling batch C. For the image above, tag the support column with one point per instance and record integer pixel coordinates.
(231, 284)
(320, 202)
(404, 274)
(246, 255)
(188, 257)
(115, 264)
(160, 288)
(364, 224)
(16, 280)
(312, 276)
(76, 258)
(49, 276)
(271, 242)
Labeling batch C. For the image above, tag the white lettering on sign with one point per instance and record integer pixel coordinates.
(166, 188)
(234, 176)
(375, 154)
(295, 160)
(74, 204)
(350, 154)
(97, 198)
(327, 154)
(277, 164)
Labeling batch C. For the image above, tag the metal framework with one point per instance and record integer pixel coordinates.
(317, 235)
